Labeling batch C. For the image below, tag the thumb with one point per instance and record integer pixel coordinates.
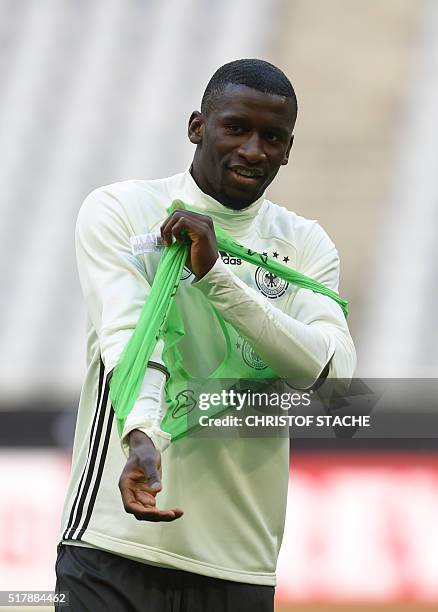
(152, 475)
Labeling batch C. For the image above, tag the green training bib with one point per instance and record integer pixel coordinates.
(160, 318)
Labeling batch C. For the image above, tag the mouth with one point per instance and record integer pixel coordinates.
(246, 176)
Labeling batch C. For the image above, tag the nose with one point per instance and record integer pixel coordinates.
(251, 149)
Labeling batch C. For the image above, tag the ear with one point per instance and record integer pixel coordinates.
(289, 147)
(196, 127)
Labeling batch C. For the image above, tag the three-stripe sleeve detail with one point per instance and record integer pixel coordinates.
(81, 511)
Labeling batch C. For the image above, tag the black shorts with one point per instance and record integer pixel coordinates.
(99, 581)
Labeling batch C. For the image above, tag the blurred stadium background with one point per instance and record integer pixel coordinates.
(96, 92)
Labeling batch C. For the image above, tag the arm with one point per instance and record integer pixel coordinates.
(115, 288)
(310, 339)
(299, 344)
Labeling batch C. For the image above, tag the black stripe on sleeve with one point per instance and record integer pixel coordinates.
(99, 474)
(154, 365)
(93, 427)
(89, 467)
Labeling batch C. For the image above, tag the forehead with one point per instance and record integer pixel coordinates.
(251, 104)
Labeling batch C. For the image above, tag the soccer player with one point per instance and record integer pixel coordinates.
(196, 524)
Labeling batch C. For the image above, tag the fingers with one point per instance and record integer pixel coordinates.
(152, 475)
(139, 484)
(157, 516)
(198, 230)
(185, 226)
(143, 506)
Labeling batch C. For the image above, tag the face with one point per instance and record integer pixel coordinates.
(241, 144)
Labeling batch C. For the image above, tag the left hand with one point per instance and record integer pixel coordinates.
(140, 481)
(196, 229)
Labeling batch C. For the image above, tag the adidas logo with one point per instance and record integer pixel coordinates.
(234, 261)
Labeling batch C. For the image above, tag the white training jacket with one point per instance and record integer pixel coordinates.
(232, 490)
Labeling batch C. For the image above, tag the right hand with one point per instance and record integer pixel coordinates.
(198, 230)
(140, 481)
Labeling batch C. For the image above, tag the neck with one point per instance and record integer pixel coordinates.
(237, 222)
(204, 185)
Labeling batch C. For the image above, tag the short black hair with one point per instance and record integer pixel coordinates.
(255, 73)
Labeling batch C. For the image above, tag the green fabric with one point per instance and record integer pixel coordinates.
(160, 318)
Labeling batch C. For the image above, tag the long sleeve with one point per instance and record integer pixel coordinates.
(115, 288)
(297, 344)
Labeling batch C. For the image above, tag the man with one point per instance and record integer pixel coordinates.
(197, 524)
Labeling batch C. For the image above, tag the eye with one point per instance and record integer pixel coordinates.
(271, 137)
(234, 129)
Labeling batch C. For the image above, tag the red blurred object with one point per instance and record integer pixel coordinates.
(361, 527)
(33, 489)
